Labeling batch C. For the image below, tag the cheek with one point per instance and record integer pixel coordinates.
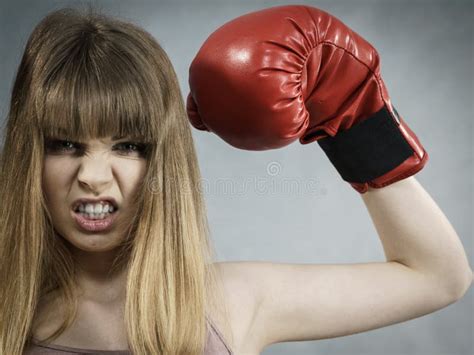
(133, 173)
(54, 179)
(131, 179)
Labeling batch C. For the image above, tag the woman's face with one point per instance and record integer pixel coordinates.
(94, 169)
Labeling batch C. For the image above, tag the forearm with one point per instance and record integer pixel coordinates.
(415, 232)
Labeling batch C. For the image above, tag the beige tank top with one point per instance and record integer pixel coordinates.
(215, 345)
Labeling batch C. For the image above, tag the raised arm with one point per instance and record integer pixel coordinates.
(268, 78)
(416, 233)
(426, 270)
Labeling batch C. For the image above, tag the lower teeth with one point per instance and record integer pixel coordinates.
(94, 216)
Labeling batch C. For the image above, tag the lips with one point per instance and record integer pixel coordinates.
(94, 226)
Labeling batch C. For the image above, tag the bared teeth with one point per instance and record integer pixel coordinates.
(93, 216)
(96, 208)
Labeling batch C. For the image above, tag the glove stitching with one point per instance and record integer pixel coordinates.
(410, 172)
(372, 72)
(416, 168)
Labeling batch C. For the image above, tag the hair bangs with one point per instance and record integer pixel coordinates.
(95, 94)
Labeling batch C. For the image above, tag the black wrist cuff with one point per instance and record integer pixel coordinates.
(369, 149)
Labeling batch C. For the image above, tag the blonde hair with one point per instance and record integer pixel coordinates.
(84, 75)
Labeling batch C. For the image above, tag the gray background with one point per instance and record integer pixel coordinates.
(426, 50)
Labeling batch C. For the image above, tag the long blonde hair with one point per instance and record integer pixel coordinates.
(84, 74)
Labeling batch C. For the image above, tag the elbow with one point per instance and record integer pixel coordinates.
(458, 289)
(468, 283)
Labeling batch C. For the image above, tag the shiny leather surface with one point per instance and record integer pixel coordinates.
(268, 78)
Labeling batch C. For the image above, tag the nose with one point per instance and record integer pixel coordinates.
(95, 174)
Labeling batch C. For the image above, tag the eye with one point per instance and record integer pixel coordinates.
(60, 146)
(132, 148)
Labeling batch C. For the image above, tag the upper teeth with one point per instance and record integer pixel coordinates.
(96, 208)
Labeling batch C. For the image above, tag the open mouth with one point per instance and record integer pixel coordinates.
(95, 216)
(97, 211)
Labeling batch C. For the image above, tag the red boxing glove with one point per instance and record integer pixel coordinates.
(269, 77)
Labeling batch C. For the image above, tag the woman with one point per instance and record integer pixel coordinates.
(104, 239)
(97, 114)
